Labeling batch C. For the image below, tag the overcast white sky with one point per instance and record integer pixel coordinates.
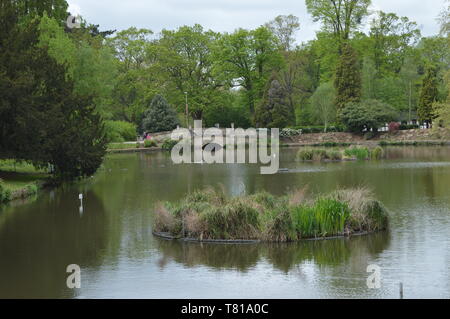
(228, 15)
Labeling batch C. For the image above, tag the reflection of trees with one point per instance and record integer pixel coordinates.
(240, 257)
(40, 240)
(284, 257)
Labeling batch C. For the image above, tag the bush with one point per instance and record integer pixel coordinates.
(319, 129)
(405, 127)
(367, 115)
(168, 144)
(150, 143)
(394, 127)
(5, 193)
(290, 132)
(120, 131)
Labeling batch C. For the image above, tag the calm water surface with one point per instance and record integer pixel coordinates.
(113, 244)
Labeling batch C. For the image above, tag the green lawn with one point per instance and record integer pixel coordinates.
(16, 176)
(121, 146)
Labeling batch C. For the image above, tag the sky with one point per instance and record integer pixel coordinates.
(228, 15)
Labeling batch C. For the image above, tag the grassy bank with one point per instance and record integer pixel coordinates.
(210, 215)
(19, 180)
(351, 153)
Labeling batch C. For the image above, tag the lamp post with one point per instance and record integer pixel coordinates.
(187, 110)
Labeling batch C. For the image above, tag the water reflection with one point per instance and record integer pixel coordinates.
(40, 241)
(284, 257)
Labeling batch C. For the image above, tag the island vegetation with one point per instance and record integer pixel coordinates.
(210, 215)
(348, 154)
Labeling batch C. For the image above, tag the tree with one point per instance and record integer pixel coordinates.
(284, 28)
(443, 109)
(348, 78)
(368, 79)
(246, 59)
(184, 61)
(42, 119)
(274, 111)
(340, 17)
(89, 63)
(135, 80)
(392, 38)
(322, 104)
(428, 96)
(367, 115)
(160, 116)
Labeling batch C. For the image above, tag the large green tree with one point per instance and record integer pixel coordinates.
(393, 39)
(246, 59)
(184, 61)
(284, 27)
(341, 17)
(42, 119)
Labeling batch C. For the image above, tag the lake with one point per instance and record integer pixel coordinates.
(111, 239)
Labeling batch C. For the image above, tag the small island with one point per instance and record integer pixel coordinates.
(338, 155)
(209, 215)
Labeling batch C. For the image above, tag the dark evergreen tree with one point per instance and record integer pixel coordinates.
(348, 78)
(160, 116)
(274, 111)
(41, 119)
(428, 96)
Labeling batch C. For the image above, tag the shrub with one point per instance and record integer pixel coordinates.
(120, 131)
(367, 115)
(290, 132)
(150, 143)
(168, 144)
(404, 127)
(394, 127)
(319, 129)
(5, 193)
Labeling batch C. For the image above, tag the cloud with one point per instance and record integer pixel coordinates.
(228, 15)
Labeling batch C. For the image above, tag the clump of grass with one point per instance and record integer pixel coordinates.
(359, 153)
(209, 214)
(326, 217)
(305, 154)
(368, 214)
(377, 153)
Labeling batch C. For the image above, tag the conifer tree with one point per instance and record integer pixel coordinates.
(428, 96)
(274, 111)
(348, 78)
(160, 116)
